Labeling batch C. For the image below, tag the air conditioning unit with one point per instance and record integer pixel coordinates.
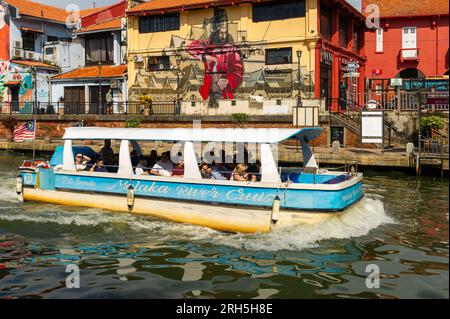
(29, 56)
(50, 54)
(138, 58)
(17, 54)
(17, 44)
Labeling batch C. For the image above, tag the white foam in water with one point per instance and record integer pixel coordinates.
(357, 221)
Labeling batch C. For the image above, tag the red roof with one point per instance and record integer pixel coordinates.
(393, 8)
(108, 71)
(113, 24)
(36, 64)
(39, 10)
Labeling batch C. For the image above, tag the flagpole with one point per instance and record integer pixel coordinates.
(34, 139)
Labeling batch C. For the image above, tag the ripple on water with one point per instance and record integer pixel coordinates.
(357, 221)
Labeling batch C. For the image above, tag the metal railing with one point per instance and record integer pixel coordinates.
(409, 101)
(79, 108)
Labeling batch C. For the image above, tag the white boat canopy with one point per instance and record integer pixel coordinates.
(233, 135)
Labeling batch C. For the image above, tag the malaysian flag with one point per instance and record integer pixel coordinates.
(24, 131)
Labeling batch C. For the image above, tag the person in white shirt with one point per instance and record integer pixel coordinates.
(81, 161)
(163, 167)
(141, 168)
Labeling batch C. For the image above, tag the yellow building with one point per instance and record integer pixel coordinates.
(223, 57)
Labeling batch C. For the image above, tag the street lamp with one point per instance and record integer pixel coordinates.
(178, 62)
(100, 110)
(299, 78)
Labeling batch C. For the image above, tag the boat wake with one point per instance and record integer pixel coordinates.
(357, 221)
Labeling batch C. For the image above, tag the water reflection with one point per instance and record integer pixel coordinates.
(402, 227)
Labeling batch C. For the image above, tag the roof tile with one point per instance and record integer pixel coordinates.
(392, 8)
(108, 71)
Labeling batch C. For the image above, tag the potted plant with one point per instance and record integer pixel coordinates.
(133, 123)
(241, 119)
(47, 129)
(10, 123)
(61, 105)
(146, 102)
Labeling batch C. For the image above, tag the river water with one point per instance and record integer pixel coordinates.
(400, 229)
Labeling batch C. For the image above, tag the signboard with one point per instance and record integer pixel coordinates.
(396, 82)
(351, 75)
(372, 123)
(436, 100)
(376, 72)
(326, 57)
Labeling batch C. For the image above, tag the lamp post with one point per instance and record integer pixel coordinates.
(177, 106)
(100, 109)
(299, 78)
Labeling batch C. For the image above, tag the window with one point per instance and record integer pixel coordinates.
(409, 38)
(279, 56)
(379, 47)
(158, 63)
(278, 10)
(28, 41)
(51, 38)
(99, 48)
(343, 31)
(159, 23)
(325, 22)
(356, 41)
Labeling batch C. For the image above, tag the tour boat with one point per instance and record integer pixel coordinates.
(280, 198)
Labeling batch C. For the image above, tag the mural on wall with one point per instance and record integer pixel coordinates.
(223, 66)
(4, 31)
(217, 63)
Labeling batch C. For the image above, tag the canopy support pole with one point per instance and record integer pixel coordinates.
(68, 158)
(125, 166)
(269, 171)
(191, 169)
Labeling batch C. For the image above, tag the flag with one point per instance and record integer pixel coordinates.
(24, 131)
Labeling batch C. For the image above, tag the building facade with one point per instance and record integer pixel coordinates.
(251, 57)
(102, 36)
(411, 42)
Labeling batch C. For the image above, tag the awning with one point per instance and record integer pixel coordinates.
(32, 30)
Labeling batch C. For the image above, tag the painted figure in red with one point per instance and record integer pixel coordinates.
(4, 32)
(222, 61)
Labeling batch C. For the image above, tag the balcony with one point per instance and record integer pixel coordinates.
(409, 55)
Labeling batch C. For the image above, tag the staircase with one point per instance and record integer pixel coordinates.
(351, 120)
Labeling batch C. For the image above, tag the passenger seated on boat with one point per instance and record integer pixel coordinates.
(164, 166)
(178, 170)
(141, 168)
(205, 170)
(218, 169)
(99, 166)
(81, 161)
(107, 154)
(255, 170)
(153, 158)
(240, 174)
(134, 158)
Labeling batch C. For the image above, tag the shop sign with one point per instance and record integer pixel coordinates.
(326, 57)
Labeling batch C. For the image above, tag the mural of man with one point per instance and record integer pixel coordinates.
(4, 31)
(222, 61)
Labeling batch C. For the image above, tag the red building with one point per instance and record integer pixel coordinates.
(412, 40)
(340, 52)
